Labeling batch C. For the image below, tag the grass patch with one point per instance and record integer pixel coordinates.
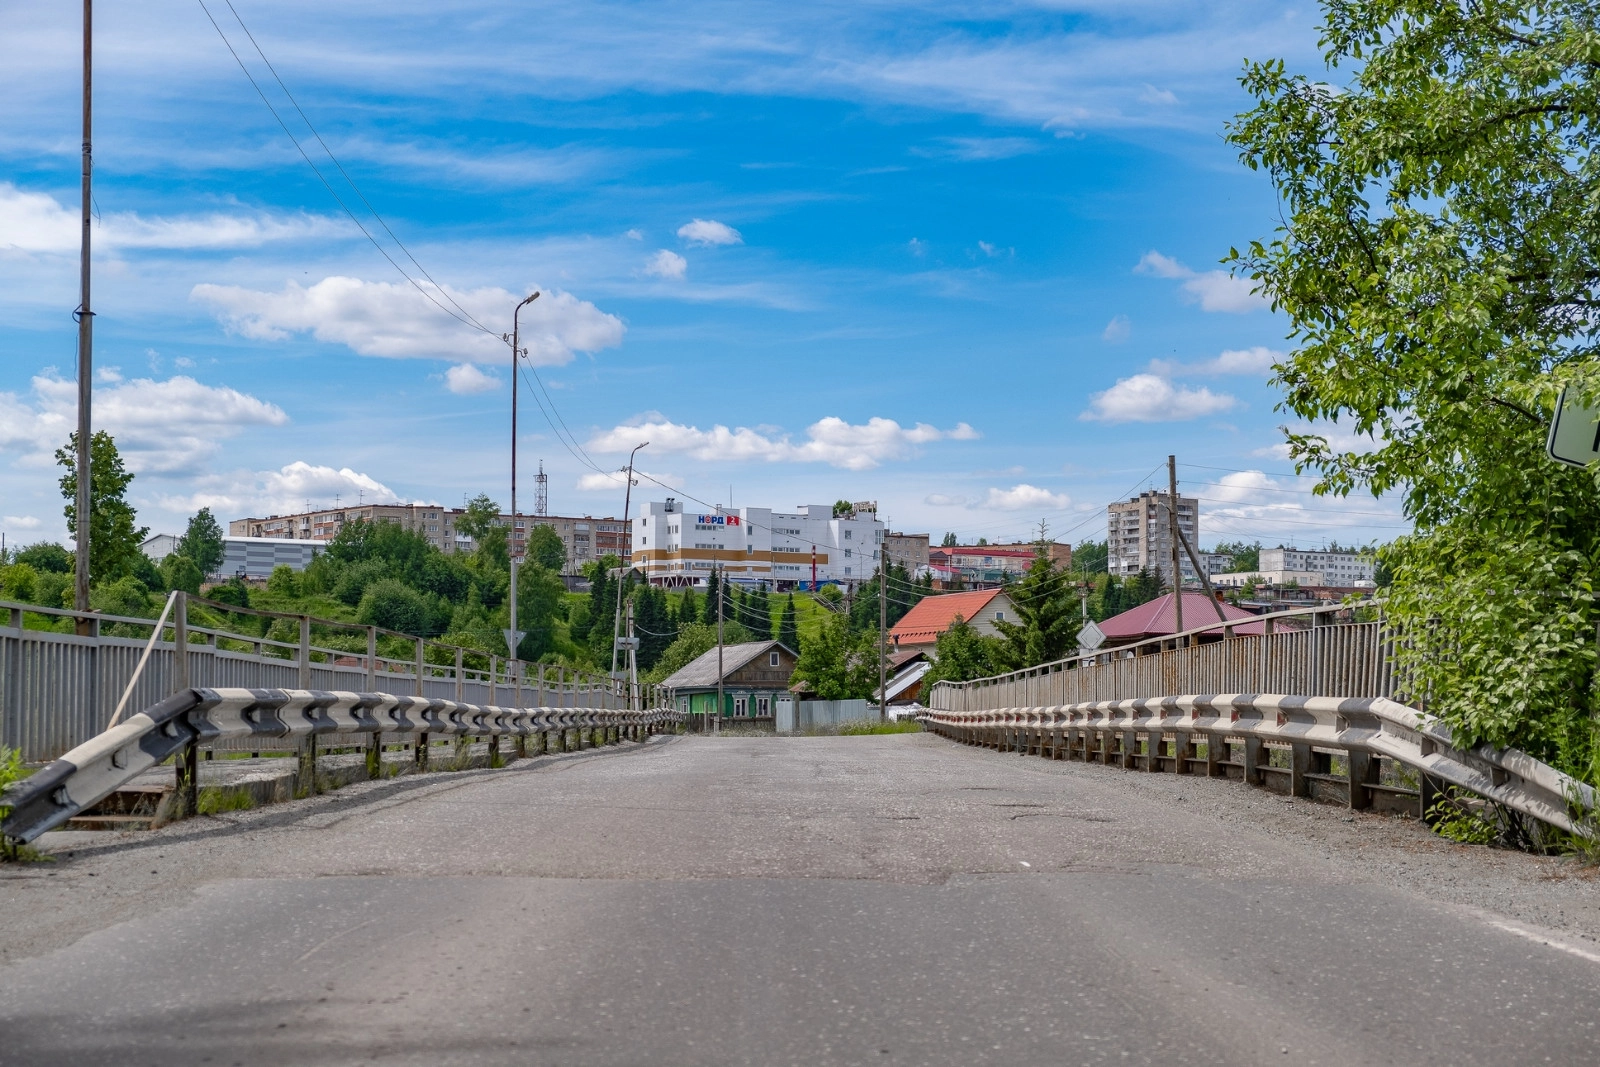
(880, 726)
(11, 772)
(215, 800)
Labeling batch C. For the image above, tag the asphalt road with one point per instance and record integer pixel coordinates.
(858, 900)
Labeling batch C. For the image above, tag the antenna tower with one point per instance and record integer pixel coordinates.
(541, 491)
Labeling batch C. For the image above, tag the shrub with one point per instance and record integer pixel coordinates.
(353, 581)
(19, 582)
(394, 605)
(180, 572)
(284, 581)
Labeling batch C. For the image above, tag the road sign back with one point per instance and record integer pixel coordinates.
(1574, 433)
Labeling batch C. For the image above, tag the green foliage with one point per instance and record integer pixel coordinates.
(480, 522)
(284, 582)
(1048, 612)
(842, 509)
(864, 727)
(125, 596)
(393, 605)
(214, 800)
(1112, 595)
(652, 624)
(544, 547)
(950, 541)
(11, 772)
(202, 542)
(788, 628)
(233, 591)
(1438, 266)
(1246, 555)
(540, 597)
(1089, 557)
(180, 572)
(841, 663)
(352, 582)
(19, 581)
(113, 538)
(903, 595)
(45, 556)
(961, 654)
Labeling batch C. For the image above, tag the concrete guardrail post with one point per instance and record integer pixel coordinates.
(186, 784)
(420, 754)
(306, 778)
(375, 743)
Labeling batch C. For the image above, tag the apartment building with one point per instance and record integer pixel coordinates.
(908, 550)
(1139, 535)
(675, 544)
(585, 539)
(1334, 568)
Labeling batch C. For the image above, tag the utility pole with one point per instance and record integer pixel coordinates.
(627, 498)
(717, 718)
(1172, 512)
(883, 632)
(514, 635)
(83, 506)
(633, 662)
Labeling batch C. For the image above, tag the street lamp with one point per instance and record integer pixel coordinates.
(514, 635)
(627, 498)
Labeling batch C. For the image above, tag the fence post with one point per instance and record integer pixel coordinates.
(494, 662)
(187, 765)
(307, 783)
(375, 745)
(421, 753)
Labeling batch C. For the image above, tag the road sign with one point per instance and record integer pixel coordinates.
(625, 644)
(512, 643)
(1090, 637)
(1574, 433)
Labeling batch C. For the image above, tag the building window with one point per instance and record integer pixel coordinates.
(772, 658)
(763, 707)
(738, 707)
(847, 534)
(1000, 616)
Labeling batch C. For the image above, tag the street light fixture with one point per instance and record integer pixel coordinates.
(514, 635)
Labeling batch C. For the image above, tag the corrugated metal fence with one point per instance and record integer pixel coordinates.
(1321, 651)
(58, 690)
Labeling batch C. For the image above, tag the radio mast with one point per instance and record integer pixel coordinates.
(541, 491)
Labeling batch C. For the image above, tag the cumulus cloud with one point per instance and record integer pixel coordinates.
(598, 482)
(165, 427)
(38, 223)
(1253, 503)
(710, 232)
(394, 320)
(1025, 497)
(1152, 398)
(831, 440)
(284, 490)
(945, 500)
(21, 522)
(464, 379)
(1245, 361)
(667, 264)
(1213, 290)
(1117, 330)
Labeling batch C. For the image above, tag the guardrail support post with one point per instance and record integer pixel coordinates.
(1363, 772)
(375, 744)
(1300, 761)
(421, 752)
(1216, 754)
(186, 783)
(1253, 751)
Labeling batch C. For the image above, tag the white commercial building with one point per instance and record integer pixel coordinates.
(1335, 568)
(677, 544)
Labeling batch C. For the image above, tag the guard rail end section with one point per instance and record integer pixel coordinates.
(1359, 728)
(95, 769)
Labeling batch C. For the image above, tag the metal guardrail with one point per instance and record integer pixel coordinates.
(1317, 650)
(1164, 733)
(182, 724)
(57, 690)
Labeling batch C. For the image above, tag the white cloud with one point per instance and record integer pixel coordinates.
(1152, 95)
(1253, 504)
(167, 427)
(21, 522)
(37, 222)
(634, 235)
(1117, 330)
(710, 232)
(465, 378)
(395, 320)
(1025, 497)
(1152, 398)
(108, 375)
(979, 149)
(608, 481)
(945, 500)
(1244, 361)
(1214, 290)
(667, 264)
(831, 440)
(284, 490)
(918, 248)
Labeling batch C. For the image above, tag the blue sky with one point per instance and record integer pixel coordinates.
(960, 259)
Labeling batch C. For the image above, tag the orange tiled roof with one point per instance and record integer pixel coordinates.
(933, 615)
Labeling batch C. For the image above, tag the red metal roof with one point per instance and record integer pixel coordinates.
(1156, 618)
(933, 615)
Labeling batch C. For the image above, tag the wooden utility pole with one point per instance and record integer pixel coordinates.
(883, 632)
(1172, 512)
(716, 721)
(83, 506)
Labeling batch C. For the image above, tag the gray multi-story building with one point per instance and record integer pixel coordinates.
(1335, 568)
(1139, 535)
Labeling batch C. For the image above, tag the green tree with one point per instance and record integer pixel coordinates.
(481, 522)
(19, 581)
(713, 591)
(393, 605)
(178, 571)
(789, 627)
(961, 654)
(113, 538)
(540, 597)
(1089, 557)
(652, 624)
(840, 663)
(1246, 555)
(1439, 265)
(545, 548)
(202, 542)
(843, 509)
(688, 611)
(950, 540)
(46, 556)
(284, 582)
(1048, 615)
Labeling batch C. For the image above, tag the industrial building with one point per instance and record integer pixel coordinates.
(677, 545)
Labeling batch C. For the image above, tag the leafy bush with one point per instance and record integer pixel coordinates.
(180, 572)
(19, 582)
(393, 605)
(351, 585)
(283, 581)
(45, 556)
(125, 596)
